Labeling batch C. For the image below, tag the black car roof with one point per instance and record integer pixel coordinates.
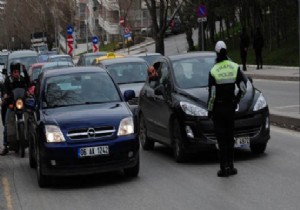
(192, 54)
(70, 70)
(123, 60)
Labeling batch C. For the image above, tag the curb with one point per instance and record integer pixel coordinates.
(285, 120)
(272, 77)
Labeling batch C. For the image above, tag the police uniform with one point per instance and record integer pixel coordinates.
(222, 102)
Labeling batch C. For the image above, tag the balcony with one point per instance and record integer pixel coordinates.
(111, 5)
(109, 27)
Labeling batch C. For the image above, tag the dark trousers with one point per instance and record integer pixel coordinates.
(223, 118)
(258, 57)
(244, 58)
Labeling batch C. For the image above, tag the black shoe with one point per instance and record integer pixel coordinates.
(232, 171)
(4, 151)
(223, 173)
(257, 68)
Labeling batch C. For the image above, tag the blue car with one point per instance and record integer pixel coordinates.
(81, 124)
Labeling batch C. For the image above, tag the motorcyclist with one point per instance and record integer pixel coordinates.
(12, 81)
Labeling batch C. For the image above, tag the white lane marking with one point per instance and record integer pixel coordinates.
(284, 107)
(7, 194)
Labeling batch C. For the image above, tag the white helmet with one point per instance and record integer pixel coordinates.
(220, 45)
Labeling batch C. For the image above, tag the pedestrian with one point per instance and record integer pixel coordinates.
(222, 103)
(244, 44)
(258, 44)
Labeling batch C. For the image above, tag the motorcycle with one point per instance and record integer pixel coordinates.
(17, 123)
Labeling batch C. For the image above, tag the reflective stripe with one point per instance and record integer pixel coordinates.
(225, 72)
(226, 81)
(212, 98)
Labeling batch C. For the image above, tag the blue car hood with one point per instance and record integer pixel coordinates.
(87, 115)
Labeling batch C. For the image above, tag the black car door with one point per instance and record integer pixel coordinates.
(157, 111)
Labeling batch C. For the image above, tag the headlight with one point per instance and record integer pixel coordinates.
(126, 127)
(260, 103)
(19, 104)
(193, 110)
(54, 134)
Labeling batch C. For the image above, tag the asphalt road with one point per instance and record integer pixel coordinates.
(280, 95)
(270, 181)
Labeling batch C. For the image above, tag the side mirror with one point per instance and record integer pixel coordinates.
(159, 90)
(128, 95)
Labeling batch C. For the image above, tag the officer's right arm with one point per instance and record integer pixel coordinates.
(211, 93)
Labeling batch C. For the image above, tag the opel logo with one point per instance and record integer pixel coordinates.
(91, 132)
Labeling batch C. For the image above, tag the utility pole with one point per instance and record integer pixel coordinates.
(86, 29)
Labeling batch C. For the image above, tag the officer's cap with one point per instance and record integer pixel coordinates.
(220, 45)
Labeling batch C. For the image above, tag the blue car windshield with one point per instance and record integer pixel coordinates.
(193, 72)
(79, 89)
(124, 73)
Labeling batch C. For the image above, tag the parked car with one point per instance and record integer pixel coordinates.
(55, 58)
(34, 71)
(173, 109)
(81, 125)
(149, 57)
(88, 58)
(26, 57)
(128, 73)
(3, 60)
(44, 56)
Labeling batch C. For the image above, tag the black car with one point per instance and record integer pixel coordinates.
(81, 125)
(173, 109)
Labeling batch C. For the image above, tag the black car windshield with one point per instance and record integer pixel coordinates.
(78, 89)
(193, 72)
(26, 61)
(124, 73)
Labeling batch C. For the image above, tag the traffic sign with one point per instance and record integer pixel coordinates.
(70, 39)
(201, 11)
(95, 40)
(70, 52)
(126, 36)
(122, 21)
(126, 30)
(70, 30)
(95, 48)
(202, 19)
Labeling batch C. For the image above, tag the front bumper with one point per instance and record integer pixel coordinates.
(63, 159)
(255, 126)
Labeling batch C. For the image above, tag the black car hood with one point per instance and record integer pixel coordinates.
(86, 115)
(200, 96)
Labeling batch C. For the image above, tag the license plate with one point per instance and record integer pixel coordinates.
(93, 151)
(241, 141)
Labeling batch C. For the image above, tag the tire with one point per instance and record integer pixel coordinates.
(146, 143)
(43, 180)
(258, 148)
(32, 161)
(177, 143)
(21, 131)
(133, 171)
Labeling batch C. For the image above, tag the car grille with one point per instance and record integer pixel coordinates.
(241, 132)
(134, 101)
(90, 133)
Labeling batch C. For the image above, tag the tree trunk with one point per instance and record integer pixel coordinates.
(159, 45)
(189, 38)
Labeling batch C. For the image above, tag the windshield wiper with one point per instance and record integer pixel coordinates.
(95, 102)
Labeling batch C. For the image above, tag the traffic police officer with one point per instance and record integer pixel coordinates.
(222, 103)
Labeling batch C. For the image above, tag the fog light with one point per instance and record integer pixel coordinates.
(267, 122)
(130, 154)
(189, 132)
(53, 162)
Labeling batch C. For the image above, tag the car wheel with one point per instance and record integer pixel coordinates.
(178, 150)
(133, 171)
(146, 143)
(258, 148)
(43, 180)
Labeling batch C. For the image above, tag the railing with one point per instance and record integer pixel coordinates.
(111, 5)
(110, 27)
